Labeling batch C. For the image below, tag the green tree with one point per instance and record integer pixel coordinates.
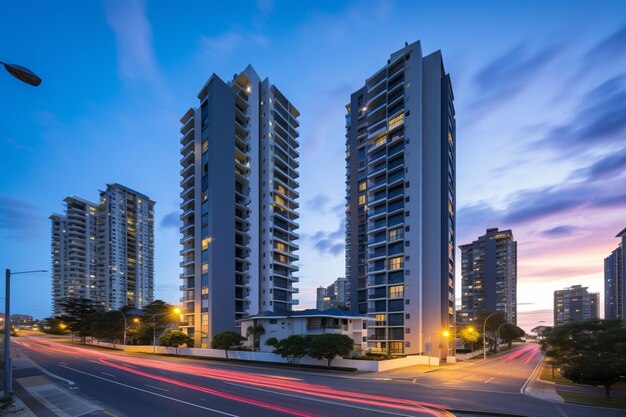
(469, 335)
(328, 346)
(589, 352)
(78, 314)
(108, 326)
(293, 348)
(52, 325)
(154, 319)
(256, 331)
(509, 332)
(492, 325)
(175, 338)
(226, 341)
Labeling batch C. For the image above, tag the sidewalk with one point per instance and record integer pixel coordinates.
(35, 394)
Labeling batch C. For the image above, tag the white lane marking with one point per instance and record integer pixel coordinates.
(152, 386)
(532, 375)
(489, 380)
(62, 363)
(322, 401)
(50, 374)
(153, 393)
(111, 375)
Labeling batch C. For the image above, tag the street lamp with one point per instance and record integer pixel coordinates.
(176, 310)
(8, 377)
(22, 74)
(485, 334)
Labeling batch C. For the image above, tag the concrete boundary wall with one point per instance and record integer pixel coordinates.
(361, 365)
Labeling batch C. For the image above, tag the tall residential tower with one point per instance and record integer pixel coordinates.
(400, 203)
(104, 252)
(615, 281)
(239, 205)
(575, 304)
(489, 276)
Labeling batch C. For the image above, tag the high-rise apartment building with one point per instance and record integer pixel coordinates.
(575, 304)
(104, 252)
(239, 205)
(489, 276)
(615, 281)
(400, 203)
(334, 296)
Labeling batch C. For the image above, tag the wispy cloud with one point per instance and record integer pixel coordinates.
(330, 243)
(133, 37)
(559, 231)
(610, 48)
(19, 219)
(171, 220)
(506, 76)
(225, 44)
(600, 119)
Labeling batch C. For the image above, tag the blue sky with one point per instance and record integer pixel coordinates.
(540, 98)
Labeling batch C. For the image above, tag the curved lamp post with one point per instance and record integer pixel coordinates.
(8, 377)
(22, 74)
(485, 334)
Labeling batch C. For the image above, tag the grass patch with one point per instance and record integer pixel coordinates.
(592, 399)
(546, 375)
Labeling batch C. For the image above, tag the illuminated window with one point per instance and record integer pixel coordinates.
(396, 121)
(281, 189)
(280, 246)
(380, 319)
(205, 267)
(381, 140)
(397, 291)
(395, 263)
(362, 186)
(279, 200)
(362, 199)
(396, 234)
(205, 146)
(205, 243)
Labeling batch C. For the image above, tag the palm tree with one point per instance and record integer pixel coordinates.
(256, 331)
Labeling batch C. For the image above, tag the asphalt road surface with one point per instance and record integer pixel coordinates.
(152, 386)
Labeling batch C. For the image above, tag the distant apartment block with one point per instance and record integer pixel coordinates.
(575, 304)
(489, 276)
(334, 296)
(400, 202)
(615, 281)
(104, 252)
(239, 205)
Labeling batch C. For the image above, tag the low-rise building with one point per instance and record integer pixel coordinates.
(306, 322)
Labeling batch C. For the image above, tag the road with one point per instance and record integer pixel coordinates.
(143, 385)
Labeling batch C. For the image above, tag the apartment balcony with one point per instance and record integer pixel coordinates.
(187, 192)
(187, 124)
(187, 250)
(189, 147)
(186, 262)
(187, 170)
(187, 227)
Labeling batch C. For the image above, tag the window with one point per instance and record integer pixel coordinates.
(397, 291)
(362, 186)
(396, 121)
(395, 234)
(361, 199)
(205, 243)
(395, 263)
(205, 267)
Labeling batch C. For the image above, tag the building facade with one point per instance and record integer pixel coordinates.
(310, 322)
(104, 252)
(615, 281)
(239, 205)
(489, 276)
(336, 295)
(400, 202)
(575, 304)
